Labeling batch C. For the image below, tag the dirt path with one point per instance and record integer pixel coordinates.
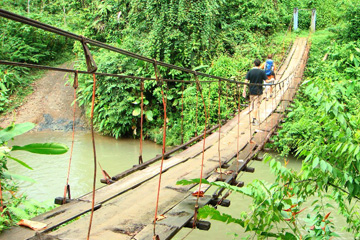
(49, 106)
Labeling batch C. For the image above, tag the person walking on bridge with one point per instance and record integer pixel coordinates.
(269, 67)
(255, 76)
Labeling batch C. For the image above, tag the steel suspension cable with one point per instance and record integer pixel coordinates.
(94, 152)
(75, 86)
(163, 148)
(58, 31)
(29, 65)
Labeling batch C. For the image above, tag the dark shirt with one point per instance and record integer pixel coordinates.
(256, 75)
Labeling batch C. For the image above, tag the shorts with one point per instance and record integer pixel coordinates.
(268, 82)
(255, 101)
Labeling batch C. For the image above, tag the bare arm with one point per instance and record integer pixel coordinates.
(244, 89)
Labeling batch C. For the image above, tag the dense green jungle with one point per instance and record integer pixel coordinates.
(221, 38)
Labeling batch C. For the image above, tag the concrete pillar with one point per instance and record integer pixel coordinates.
(296, 18)
(313, 20)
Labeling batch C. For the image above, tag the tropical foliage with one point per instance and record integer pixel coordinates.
(14, 207)
(323, 130)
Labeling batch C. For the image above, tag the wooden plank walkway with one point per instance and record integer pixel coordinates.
(125, 209)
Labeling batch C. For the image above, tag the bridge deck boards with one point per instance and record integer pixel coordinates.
(124, 214)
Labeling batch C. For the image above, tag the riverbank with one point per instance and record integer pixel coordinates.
(50, 104)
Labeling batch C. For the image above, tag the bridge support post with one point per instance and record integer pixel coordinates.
(313, 19)
(202, 225)
(296, 18)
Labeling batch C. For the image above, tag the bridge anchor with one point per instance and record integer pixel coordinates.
(60, 200)
(200, 224)
(221, 202)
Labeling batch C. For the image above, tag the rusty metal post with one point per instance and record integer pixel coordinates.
(296, 18)
(313, 19)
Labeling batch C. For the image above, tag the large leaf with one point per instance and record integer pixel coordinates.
(136, 112)
(15, 130)
(20, 162)
(43, 148)
(149, 115)
(9, 175)
(191, 181)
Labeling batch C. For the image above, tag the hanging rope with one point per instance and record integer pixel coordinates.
(251, 106)
(156, 237)
(75, 85)
(209, 103)
(141, 122)
(105, 174)
(203, 151)
(196, 113)
(94, 152)
(182, 113)
(238, 131)
(1, 199)
(227, 99)
(219, 122)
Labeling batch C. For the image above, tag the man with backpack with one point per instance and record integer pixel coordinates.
(269, 67)
(256, 76)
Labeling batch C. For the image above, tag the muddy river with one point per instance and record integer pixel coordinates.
(116, 156)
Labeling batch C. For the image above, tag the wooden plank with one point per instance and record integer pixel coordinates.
(165, 232)
(270, 122)
(289, 95)
(282, 107)
(53, 218)
(179, 215)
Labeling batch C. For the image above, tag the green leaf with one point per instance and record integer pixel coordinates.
(200, 67)
(2, 87)
(352, 57)
(9, 175)
(20, 162)
(191, 181)
(327, 106)
(289, 236)
(315, 162)
(15, 130)
(149, 115)
(136, 112)
(323, 165)
(43, 148)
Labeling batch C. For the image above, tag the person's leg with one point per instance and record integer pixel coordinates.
(272, 80)
(252, 107)
(256, 103)
(257, 106)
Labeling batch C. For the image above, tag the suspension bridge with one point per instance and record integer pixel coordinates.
(115, 211)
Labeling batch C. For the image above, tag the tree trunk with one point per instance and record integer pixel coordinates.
(64, 15)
